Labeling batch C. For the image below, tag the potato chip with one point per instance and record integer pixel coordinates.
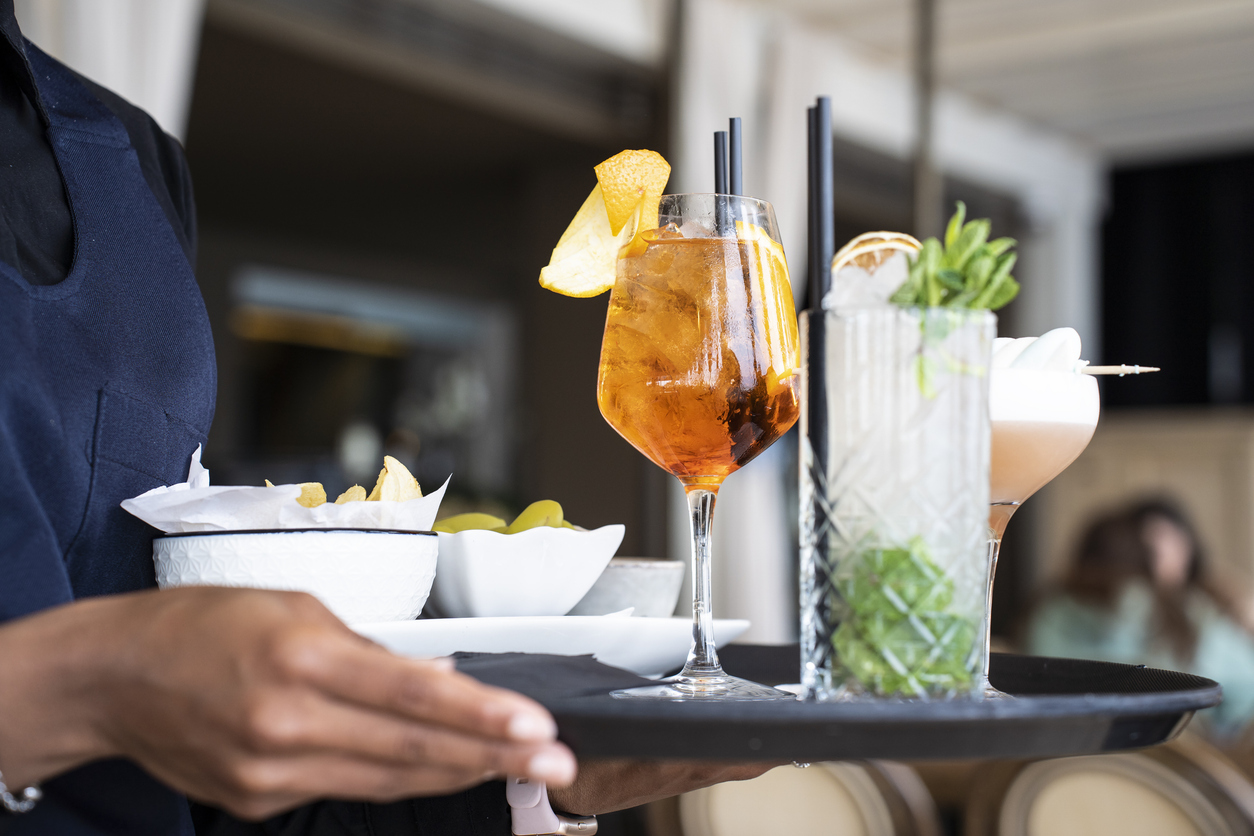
(631, 180)
(396, 483)
(312, 494)
(269, 484)
(354, 494)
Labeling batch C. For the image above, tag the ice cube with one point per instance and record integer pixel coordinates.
(856, 287)
(671, 230)
(693, 228)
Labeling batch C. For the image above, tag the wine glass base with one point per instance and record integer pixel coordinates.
(709, 687)
(988, 692)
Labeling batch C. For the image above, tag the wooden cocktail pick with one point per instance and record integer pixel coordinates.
(1119, 370)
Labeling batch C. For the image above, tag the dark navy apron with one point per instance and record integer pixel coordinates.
(107, 384)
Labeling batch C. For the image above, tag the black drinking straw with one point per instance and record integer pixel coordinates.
(816, 529)
(737, 184)
(720, 162)
(721, 225)
(825, 207)
(813, 280)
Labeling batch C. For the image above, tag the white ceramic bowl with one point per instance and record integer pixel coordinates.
(540, 571)
(360, 575)
(648, 585)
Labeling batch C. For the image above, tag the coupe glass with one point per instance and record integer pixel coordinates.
(700, 373)
(1042, 421)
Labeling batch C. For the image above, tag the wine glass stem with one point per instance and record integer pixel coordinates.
(994, 549)
(702, 658)
(998, 517)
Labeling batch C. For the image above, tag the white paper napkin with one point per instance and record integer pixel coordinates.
(195, 505)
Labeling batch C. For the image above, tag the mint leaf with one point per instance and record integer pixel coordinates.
(968, 271)
(898, 635)
(1006, 291)
(955, 225)
(1000, 245)
(993, 290)
(950, 278)
(973, 236)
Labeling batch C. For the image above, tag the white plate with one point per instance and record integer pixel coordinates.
(647, 646)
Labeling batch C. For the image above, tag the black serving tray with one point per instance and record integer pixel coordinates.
(1060, 707)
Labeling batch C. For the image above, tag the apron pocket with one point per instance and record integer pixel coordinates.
(138, 446)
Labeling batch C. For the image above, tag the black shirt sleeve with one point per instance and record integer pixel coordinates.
(36, 228)
(481, 811)
(36, 233)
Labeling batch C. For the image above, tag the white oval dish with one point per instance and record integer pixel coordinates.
(359, 574)
(540, 571)
(647, 646)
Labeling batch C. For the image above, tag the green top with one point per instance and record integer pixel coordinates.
(967, 271)
(1225, 652)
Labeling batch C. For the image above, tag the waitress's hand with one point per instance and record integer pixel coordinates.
(607, 785)
(254, 702)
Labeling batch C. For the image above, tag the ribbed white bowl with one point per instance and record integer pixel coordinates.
(360, 575)
(540, 571)
(649, 586)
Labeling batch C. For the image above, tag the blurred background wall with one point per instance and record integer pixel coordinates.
(379, 182)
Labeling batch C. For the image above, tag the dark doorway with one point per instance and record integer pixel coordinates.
(1176, 281)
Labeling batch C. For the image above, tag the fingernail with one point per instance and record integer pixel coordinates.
(555, 767)
(441, 664)
(529, 726)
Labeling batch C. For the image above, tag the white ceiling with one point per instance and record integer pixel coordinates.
(1136, 78)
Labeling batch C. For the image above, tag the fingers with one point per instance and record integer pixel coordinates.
(422, 690)
(308, 722)
(407, 711)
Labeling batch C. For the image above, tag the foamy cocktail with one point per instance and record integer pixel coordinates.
(1044, 410)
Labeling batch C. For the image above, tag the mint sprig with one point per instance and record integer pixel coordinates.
(969, 271)
(899, 634)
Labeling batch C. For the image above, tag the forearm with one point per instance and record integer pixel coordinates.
(49, 664)
(254, 701)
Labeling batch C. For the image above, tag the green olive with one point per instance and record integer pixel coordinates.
(466, 522)
(545, 512)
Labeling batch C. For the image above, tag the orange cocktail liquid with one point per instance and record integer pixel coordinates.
(1026, 456)
(699, 364)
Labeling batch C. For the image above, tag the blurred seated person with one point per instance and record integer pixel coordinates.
(1138, 592)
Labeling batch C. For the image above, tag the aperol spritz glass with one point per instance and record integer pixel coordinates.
(700, 373)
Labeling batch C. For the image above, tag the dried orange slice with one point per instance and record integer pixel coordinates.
(770, 269)
(871, 249)
(583, 262)
(623, 204)
(632, 180)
